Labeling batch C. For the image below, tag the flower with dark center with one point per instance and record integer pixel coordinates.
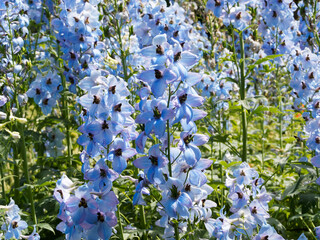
(183, 98)
(175, 194)
(187, 188)
(118, 152)
(103, 172)
(265, 238)
(240, 195)
(14, 224)
(38, 92)
(217, 3)
(83, 203)
(86, 21)
(159, 50)
(105, 125)
(311, 75)
(81, 38)
(100, 217)
(177, 56)
(112, 89)
(45, 101)
(49, 81)
(96, 99)
(188, 139)
(238, 16)
(175, 34)
(90, 136)
(318, 140)
(274, 14)
(156, 113)
(254, 210)
(154, 160)
(72, 55)
(308, 58)
(61, 193)
(117, 108)
(158, 74)
(304, 86)
(242, 173)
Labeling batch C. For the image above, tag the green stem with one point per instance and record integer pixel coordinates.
(262, 150)
(169, 157)
(168, 137)
(280, 121)
(65, 114)
(16, 176)
(243, 96)
(123, 55)
(143, 222)
(2, 182)
(120, 224)
(23, 153)
(176, 231)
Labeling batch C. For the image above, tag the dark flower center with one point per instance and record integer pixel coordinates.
(38, 92)
(156, 113)
(49, 81)
(254, 210)
(160, 50)
(240, 195)
(188, 139)
(238, 16)
(90, 136)
(96, 99)
(105, 125)
(217, 3)
(81, 38)
(103, 173)
(154, 160)
(242, 173)
(14, 224)
(118, 152)
(72, 55)
(174, 192)
(117, 108)
(61, 193)
(311, 75)
(100, 217)
(274, 14)
(158, 74)
(45, 101)
(112, 89)
(183, 98)
(187, 188)
(83, 203)
(177, 56)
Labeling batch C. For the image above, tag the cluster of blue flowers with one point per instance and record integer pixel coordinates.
(249, 208)
(13, 226)
(88, 211)
(168, 100)
(14, 22)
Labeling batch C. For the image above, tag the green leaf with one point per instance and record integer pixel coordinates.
(45, 226)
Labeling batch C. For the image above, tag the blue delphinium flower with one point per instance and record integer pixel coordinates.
(153, 164)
